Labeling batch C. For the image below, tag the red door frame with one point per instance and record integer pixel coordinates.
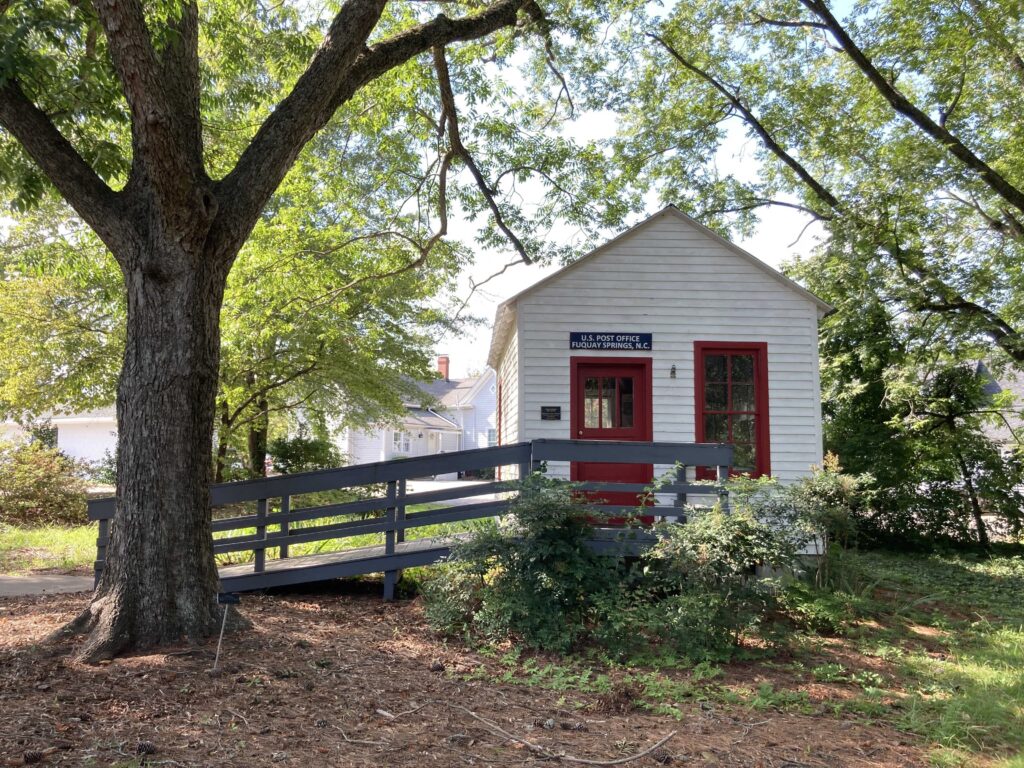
(643, 430)
(644, 417)
(762, 439)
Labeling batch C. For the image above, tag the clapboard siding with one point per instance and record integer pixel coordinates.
(510, 395)
(670, 278)
(362, 447)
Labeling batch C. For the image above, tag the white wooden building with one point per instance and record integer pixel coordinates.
(452, 415)
(88, 436)
(668, 332)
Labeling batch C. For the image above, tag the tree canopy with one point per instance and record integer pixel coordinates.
(894, 130)
(177, 129)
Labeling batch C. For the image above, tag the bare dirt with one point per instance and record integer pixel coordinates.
(334, 679)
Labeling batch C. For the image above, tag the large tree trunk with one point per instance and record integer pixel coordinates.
(160, 581)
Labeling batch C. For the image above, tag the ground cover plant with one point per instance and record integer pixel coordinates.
(933, 645)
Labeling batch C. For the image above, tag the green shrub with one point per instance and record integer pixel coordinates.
(303, 454)
(534, 581)
(39, 486)
(718, 554)
(537, 582)
(104, 471)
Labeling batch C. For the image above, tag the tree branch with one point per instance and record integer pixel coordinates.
(755, 124)
(77, 182)
(995, 181)
(339, 69)
(1002, 333)
(450, 116)
(785, 23)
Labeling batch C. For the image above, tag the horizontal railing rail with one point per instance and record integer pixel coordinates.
(277, 525)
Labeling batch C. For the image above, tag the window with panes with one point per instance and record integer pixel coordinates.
(732, 402)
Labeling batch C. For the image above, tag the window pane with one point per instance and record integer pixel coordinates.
(742, 397)
(607, 402)
(742, 368)
(591, 404)
(715, 397)
(714, 368)
(743, 457)
(626, 402)
(716, 428)
(743, 429)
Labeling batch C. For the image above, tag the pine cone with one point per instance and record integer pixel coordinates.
(32, 756)
(145, 748)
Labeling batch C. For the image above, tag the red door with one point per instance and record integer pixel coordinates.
(611, 400)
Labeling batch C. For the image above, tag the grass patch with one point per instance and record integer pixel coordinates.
(48, 547)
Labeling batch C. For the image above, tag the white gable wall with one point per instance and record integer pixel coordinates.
(673, 280)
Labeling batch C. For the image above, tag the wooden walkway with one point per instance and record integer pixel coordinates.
(278, 524)
(344, 563)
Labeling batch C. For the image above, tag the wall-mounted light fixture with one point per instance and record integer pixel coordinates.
(672, 372)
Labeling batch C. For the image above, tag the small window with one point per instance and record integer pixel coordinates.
(492, 438)
(401, 442)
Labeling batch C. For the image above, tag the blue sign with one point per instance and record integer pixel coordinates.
(603, 340)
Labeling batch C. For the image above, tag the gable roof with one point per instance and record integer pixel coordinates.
(452, 393)
(505, 314)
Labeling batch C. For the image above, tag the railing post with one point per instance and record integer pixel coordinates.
(390, 514)
(261, 536)
(723, 491)
(101, 551)
(286, 507)
(681, 497)
(400, 513)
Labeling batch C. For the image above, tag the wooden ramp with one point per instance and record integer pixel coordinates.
(288, 516)
(336, 565)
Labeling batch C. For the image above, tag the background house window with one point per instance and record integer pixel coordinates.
(492, 438)
(732, 401)
(401, 442)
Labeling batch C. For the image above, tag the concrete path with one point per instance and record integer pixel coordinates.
(43, 584)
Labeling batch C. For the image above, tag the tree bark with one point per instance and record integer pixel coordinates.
(223, 434)
(258, 440)
(975, 504)
(175, 234)
(161, 582)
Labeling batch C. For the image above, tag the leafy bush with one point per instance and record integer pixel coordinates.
(534, 581)
(537, 582)
(39, 486)
(104, 471)
(303, 454)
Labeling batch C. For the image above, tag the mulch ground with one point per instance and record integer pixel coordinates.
(335, 679)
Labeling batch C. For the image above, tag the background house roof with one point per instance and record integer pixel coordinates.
(451, 393)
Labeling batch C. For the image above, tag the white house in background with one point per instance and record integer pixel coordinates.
(453, 415)
(670, 333)
(85, 436)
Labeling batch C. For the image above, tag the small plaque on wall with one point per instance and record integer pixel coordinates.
(551, 413)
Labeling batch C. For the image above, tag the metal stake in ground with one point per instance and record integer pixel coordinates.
(227, 599)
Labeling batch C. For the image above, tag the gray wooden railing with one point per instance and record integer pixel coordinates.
(386, 510)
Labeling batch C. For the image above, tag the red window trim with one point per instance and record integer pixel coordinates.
(762, 441)
(646, 427)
